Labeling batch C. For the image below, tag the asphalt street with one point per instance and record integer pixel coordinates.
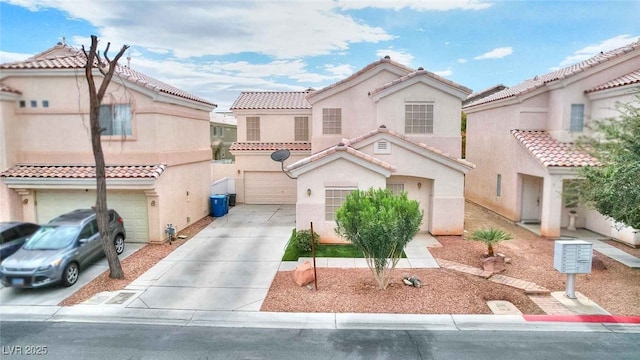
(67, 340)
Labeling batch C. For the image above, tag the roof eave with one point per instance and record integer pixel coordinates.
(71, 183)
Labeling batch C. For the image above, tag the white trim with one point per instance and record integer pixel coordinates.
(425, 79)
(341, 155)
(328, 92)
(87, 183)
(630, 89)
(439, 158)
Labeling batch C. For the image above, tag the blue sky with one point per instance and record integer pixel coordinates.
(216, 49)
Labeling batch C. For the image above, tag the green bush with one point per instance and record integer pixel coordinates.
(302, 240)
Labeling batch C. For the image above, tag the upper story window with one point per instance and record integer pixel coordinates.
(331, 121)
(577, 118)
(418, 118)
(115, 119)
(301, 128)
(253, 128)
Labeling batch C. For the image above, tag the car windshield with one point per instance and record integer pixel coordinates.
(52, 238)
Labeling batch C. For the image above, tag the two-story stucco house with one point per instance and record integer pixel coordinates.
(156, 144)
(521, 141)
(386, 125)
(223, 133)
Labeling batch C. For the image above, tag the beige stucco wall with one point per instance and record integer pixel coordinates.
(339, 173)
(447, 116)
(174, 133)
(275, 125)
(358, 111)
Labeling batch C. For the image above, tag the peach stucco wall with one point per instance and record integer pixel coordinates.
(495, 151)
(275, 125)
(339, 173)
(166, 130)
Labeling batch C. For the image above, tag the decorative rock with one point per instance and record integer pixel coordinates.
(411, 281)
(303, 274)
(597, 263)
(507, 260)
(493, 264)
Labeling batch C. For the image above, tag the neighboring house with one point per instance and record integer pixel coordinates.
(521, 141)
(224, 132)
(386, 125)
(155, 142)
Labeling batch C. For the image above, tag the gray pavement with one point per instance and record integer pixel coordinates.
(228, 266)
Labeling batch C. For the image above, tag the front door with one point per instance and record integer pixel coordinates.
(531, 199)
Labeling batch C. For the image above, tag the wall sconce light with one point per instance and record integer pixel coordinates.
(238, 171)
(308, 192)
(419, 185)
(25, 201)
(153, 203)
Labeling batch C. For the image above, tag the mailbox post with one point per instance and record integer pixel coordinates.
(572, 257)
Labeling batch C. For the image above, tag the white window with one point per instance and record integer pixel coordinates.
(396, 189)
(418, 118)
(253, 128)
(301, 128)
(331, 121)
(115, 119)
(333, 199)
(577, 117)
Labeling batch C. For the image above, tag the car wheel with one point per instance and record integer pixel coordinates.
(118, 242)
(70, 274)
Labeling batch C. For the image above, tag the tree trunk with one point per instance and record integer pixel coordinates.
(95, 98)
(489, 250)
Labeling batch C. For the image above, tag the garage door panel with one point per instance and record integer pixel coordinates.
(269, 188)
(131, 206)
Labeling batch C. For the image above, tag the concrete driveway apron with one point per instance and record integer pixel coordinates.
(227, 266)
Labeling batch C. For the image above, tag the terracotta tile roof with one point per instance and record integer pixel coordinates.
(432, 149)
(421, 72)
(271, 100)
(338, 148)
(551, 152)
(360, 72)
(631, 78)
(258, 146)
(9, 89)
(75, 59)
(540, 81)
(482, 93)
(83, 171)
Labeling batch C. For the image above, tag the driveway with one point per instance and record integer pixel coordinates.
(53, 295)
(227, 266)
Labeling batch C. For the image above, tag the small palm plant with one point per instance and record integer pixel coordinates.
(490, 236)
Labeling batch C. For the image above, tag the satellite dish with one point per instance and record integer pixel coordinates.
(280, 155)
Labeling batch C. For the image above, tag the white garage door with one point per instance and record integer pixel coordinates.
(263, 187)
(132, 206)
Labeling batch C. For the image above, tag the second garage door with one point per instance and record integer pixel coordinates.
(264, 187)
(131, 205)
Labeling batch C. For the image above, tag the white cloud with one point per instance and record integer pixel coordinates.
(591, 50)
(6, 57)
(461, 61)
(221, 27)
(399, 56)
(340, 71)
(497, 53)
(444, 73)
(418, 5)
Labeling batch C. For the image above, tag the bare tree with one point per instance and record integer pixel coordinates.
(106, 68)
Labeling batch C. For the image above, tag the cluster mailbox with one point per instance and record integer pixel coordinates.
(572, 257)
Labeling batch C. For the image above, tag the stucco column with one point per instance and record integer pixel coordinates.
(551, 217)
(28, 199)
(156, 230)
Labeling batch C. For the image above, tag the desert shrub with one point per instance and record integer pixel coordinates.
(302, 240)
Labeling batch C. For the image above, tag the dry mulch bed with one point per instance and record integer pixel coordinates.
(617, 289)
(135, 265)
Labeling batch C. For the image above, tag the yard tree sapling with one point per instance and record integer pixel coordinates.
(490, 237)
(380, 224)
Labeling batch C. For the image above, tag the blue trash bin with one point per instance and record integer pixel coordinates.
(217, 205)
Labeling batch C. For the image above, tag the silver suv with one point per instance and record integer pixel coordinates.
(60, 249)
